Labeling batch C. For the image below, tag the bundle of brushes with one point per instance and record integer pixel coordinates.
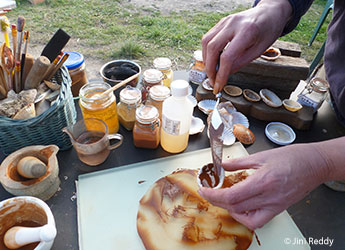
(18, 69)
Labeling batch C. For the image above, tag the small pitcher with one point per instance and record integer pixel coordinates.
(91, 140)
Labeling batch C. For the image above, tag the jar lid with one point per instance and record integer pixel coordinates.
(146, 114)
(319, 85)
(74, 60)
(153, 75)
(159, 92)
(198, 55)
(162, 63)
(179, 88)
(130, 95)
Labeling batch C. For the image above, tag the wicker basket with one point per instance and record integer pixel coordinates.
(44, 129)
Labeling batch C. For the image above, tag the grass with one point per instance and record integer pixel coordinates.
(110, 29)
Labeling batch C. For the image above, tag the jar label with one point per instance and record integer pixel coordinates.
(306, 101)
(170, 126)
(196, 76)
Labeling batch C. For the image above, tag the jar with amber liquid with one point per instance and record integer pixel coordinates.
(163, 64)
(151, 77)
(94, 105)
(146, 131)
(157, 95)
(130, 99)
(197, 73)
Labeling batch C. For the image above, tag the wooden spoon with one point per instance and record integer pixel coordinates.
(119, 85)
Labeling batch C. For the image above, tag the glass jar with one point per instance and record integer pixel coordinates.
(130, 98)
(157, 95)
(146, 131)
(76, 68)
(314, 93)
(151, 77)
(163, 64)
(94, 105)
(197, 72)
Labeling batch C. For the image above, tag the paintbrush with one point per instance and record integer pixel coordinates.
(56, 68)
(5, 24)
(22, 62)
(20, 28)
(52, 67)
(14, 38)
(17, 85)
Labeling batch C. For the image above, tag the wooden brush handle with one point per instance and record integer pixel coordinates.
(37, 72)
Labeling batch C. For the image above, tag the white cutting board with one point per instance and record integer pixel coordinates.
(108, 201)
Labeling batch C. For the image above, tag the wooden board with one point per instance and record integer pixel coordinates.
(301, 119)
(108, 201)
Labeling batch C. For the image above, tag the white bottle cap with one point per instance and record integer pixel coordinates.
(179, 88)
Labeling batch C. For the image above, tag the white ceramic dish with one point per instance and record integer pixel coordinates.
(270, 98)
(280, 133)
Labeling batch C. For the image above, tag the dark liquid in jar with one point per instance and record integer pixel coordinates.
(98, 153)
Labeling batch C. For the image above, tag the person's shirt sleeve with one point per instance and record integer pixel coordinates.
(299, 8)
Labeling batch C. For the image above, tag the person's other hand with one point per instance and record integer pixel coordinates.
(283, 176)
(238, 39)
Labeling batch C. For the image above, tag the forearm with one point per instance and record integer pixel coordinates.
(330, 159)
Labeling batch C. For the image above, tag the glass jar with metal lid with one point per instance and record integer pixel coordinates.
(314, 93)
(130, 99)
(157, 95)
(197, 72)
(151, 77)
(76, 68)
(94, 105)
(146, 131)
(163, 64)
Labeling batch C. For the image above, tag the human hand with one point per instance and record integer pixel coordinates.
(283, 176)
(239, 38)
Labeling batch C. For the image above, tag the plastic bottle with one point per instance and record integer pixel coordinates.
(176, 118)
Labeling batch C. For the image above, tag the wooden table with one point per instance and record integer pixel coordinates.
(320, 214)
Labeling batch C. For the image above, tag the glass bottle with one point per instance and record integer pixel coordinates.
(130, 98)
(94, 105)
(176, 118)
(157, 95)
(151, 77)
(146, 131)
(163, 64)
(314, 93)
(197, 72)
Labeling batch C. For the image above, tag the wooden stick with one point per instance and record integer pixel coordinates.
(56, 68)
(14, 38)
(119, 85)
(51, 67)
(17, 84)
(29, 61)
(37, 72)
(22, 63)
(20, 28)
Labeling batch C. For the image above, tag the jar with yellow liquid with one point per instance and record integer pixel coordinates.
(163, 64)
(176, 118)
(94, 105)
(157, 95)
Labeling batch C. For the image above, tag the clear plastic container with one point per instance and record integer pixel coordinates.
(130, 99)
(197, 72)
(94, 105)
(76, 68)
(151, 77)
(146, 131)
(176, 118)
(314, 93)
(163, 64)
(157, 95)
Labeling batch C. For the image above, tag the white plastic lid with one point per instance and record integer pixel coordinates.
(162, 63)
(130, 95)
(159, 92)
(198, 55)
(146, 114)
(179, 88)
(153, 75)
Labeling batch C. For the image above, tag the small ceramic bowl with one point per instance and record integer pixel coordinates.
(270, 98)
(232, 90)
(116, 71)
(280, 133)
(292, 105)
(221, 178)
(271, 54)
(251, 95)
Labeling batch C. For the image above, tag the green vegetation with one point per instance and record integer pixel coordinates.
(111, 29)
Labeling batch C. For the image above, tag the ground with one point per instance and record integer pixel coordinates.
(93, 65)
